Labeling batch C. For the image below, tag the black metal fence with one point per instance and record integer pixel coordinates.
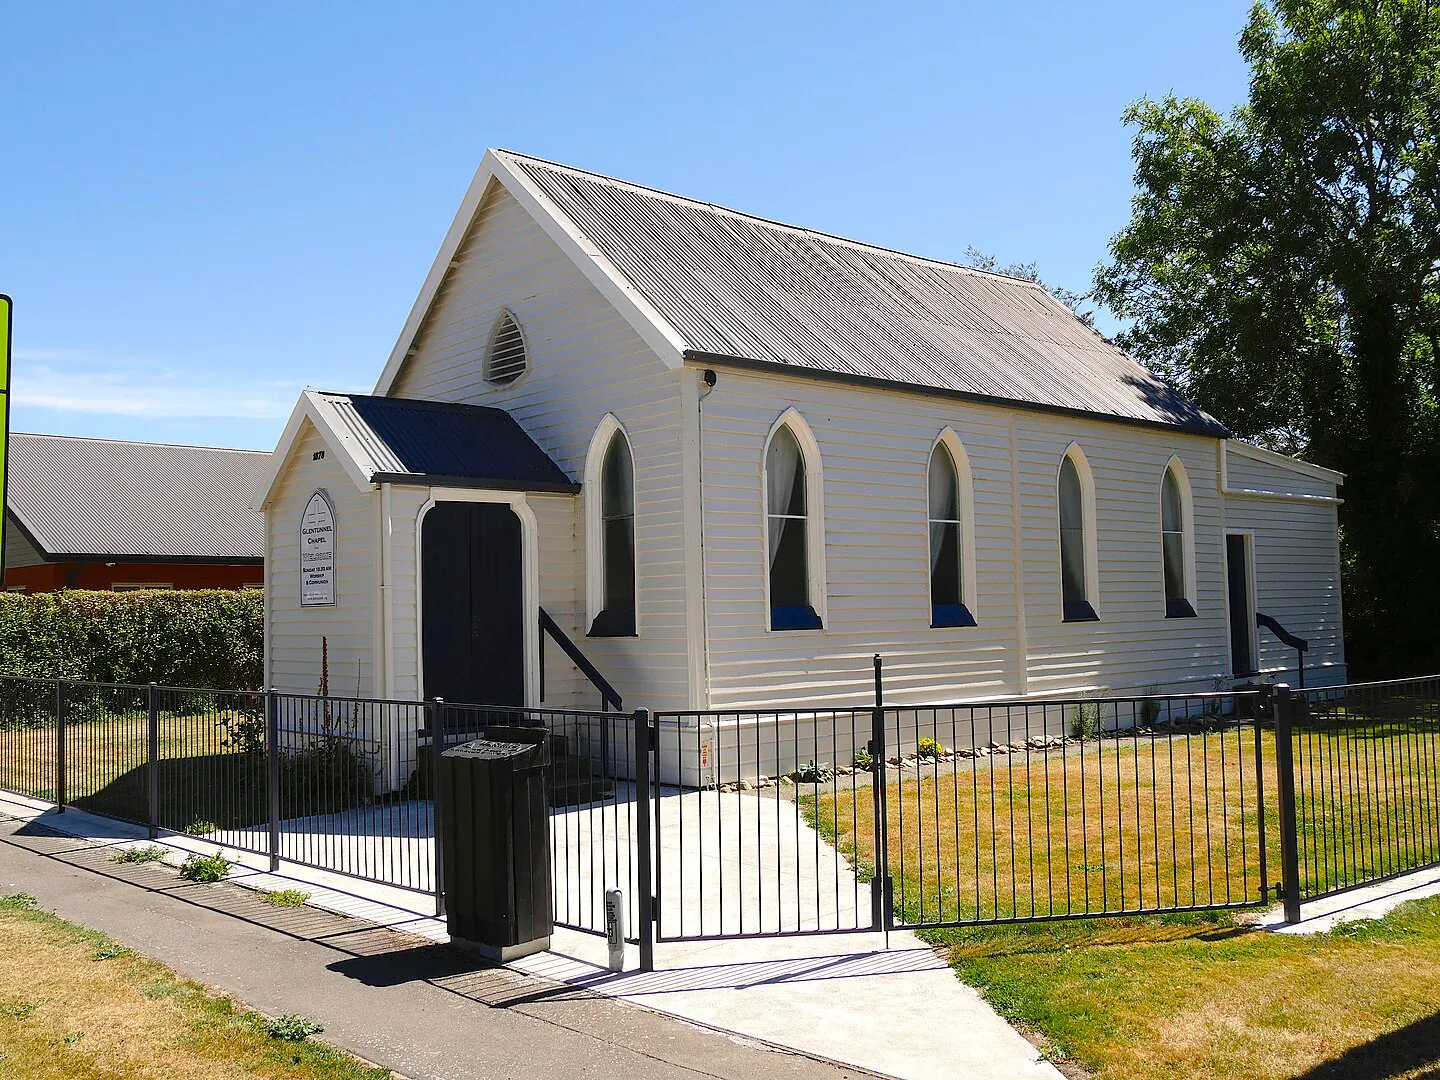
(1366, 777)
(346, 785)
(774, 822)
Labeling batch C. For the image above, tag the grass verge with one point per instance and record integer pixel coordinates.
(1205, 996)
(74, 1003)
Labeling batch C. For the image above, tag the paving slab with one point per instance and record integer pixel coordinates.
(1373, 901)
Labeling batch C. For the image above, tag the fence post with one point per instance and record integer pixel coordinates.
(879, 915)
(1285, 770)
(437, 747)
(272, 746)
(152, 765)
(59, 746)
(646, 929)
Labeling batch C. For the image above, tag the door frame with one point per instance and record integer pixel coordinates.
(1248, 535)
(530, 575)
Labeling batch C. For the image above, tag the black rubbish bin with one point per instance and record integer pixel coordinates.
(495, 835)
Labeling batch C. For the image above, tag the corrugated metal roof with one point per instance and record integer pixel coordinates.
(401, 440)
(738, 286)
(101, 497)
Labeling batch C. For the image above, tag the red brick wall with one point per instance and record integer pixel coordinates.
(97, 575)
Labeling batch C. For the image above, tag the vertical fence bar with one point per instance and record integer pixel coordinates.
(1285, 768)
(877, 801)
(152, 765)
(437, 747)
(272, 786)
(1264, 705)
(60, 746)
(643, 733)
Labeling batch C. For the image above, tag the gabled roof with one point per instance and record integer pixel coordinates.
(386, 440)
(91, 498)
(701, 282)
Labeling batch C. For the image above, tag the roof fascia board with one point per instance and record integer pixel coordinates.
(652, 327)
(1270, 457)
(700, 359)
(309, 408)
(464, 216)
(424, 480)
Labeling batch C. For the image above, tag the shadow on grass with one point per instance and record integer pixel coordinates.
(1413, 1050)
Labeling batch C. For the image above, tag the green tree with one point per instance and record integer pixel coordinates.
(1280, 266)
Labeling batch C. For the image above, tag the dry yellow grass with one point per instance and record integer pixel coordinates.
(1118, 825)
(1141, 823)
(73, 1004)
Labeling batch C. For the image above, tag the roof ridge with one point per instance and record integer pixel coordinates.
(774, 223)
(138, 442)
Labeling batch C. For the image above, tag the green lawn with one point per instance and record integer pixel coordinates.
(1206, 997)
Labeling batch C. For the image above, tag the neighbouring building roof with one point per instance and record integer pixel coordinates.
(405, 441)
(93, 498)
(725, 285)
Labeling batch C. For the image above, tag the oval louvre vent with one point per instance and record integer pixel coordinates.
(506, 359)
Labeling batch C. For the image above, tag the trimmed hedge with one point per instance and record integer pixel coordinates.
(201, 638)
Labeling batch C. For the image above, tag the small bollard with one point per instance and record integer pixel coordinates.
(615, 928)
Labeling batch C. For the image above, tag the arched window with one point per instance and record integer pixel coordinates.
(789, 537)
(948, 580)
(505, 356)
(610, 542)
(1076, 567)
(1174, 544)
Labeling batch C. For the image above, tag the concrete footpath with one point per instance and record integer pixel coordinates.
(409, 1003)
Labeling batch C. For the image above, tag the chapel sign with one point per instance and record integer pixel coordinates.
(317, 553)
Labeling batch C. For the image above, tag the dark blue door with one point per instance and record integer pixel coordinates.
(473, 617)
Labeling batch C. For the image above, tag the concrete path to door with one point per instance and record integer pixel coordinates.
(897, 1011)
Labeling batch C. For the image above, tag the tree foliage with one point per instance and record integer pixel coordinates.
(1280, 266)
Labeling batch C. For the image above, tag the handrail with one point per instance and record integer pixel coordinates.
(608, 694)
(1299, 644)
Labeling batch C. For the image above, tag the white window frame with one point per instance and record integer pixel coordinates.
(965, 498)
(500, 318)
(1187, 530)
(814, 518)
(141, 586)
(608, 427)
(1074, 453)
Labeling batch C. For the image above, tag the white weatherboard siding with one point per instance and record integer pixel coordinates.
(1245, 472)
(295, 632)
(584, 361)
(1297, 563)
(875, 447)
(1133, 645)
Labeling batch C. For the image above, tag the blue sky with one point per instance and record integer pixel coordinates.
(207, 208)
